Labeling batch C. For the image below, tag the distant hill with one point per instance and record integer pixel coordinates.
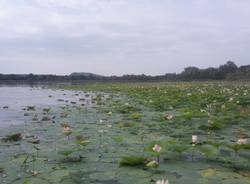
(85, 74)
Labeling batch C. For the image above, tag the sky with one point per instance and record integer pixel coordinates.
(116, 37)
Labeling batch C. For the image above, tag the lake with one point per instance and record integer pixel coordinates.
(125, 133)
(14, 99)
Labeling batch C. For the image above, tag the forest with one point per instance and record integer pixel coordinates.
(228, 71)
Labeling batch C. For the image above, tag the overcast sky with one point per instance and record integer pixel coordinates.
(122, 36)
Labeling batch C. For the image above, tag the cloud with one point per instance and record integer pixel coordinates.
(121, 36)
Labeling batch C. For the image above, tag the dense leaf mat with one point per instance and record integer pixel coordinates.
(113, 128)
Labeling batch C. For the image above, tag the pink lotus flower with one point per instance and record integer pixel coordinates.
(242, 141)
(157, 148)
(67, 130)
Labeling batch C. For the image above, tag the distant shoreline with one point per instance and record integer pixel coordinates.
(227, 72)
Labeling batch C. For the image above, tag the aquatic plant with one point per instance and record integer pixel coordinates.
(194, 139)
(177, 147)
(126, 124)
(157, 149)
(13, 137)
(80, 140)
(132, 161)
(168, 117)
(152, 164)
(33, 171)
(67, 130)
(63, 114)
(34, 140)
(31, 108)
(162, 181)
(239, 146)
(66, 152)
(47, 110)
(194, 142)
(136, 116)
(216, 123)
(208, 150)
(242, 141)
(35, 117)
(202, 110)
(110, 113)
(126, 108)
(46, 118)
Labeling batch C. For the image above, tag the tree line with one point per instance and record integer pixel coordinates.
(228, 71)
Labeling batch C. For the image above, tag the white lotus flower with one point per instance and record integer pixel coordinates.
(162, 182)
(102, 131)
(194, 139)
(202, 110)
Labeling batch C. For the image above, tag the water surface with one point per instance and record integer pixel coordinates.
(14, 99)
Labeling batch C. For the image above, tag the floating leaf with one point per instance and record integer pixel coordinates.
(209, 150)
(132, 161)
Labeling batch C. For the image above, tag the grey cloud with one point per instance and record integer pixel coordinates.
(121, 36)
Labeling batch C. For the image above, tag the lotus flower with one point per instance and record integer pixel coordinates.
(109, 126)
(194, 139)
(169, 117)
(157, 148)
(67, 130)
(202, 110)
(242, 141)
(34, 173)
(162, 182)
(102, 131)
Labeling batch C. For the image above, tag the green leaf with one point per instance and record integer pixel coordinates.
(27, 182)
(209, 150)
(132, 161)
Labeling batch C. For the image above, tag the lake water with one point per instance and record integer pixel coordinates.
(13, 99)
